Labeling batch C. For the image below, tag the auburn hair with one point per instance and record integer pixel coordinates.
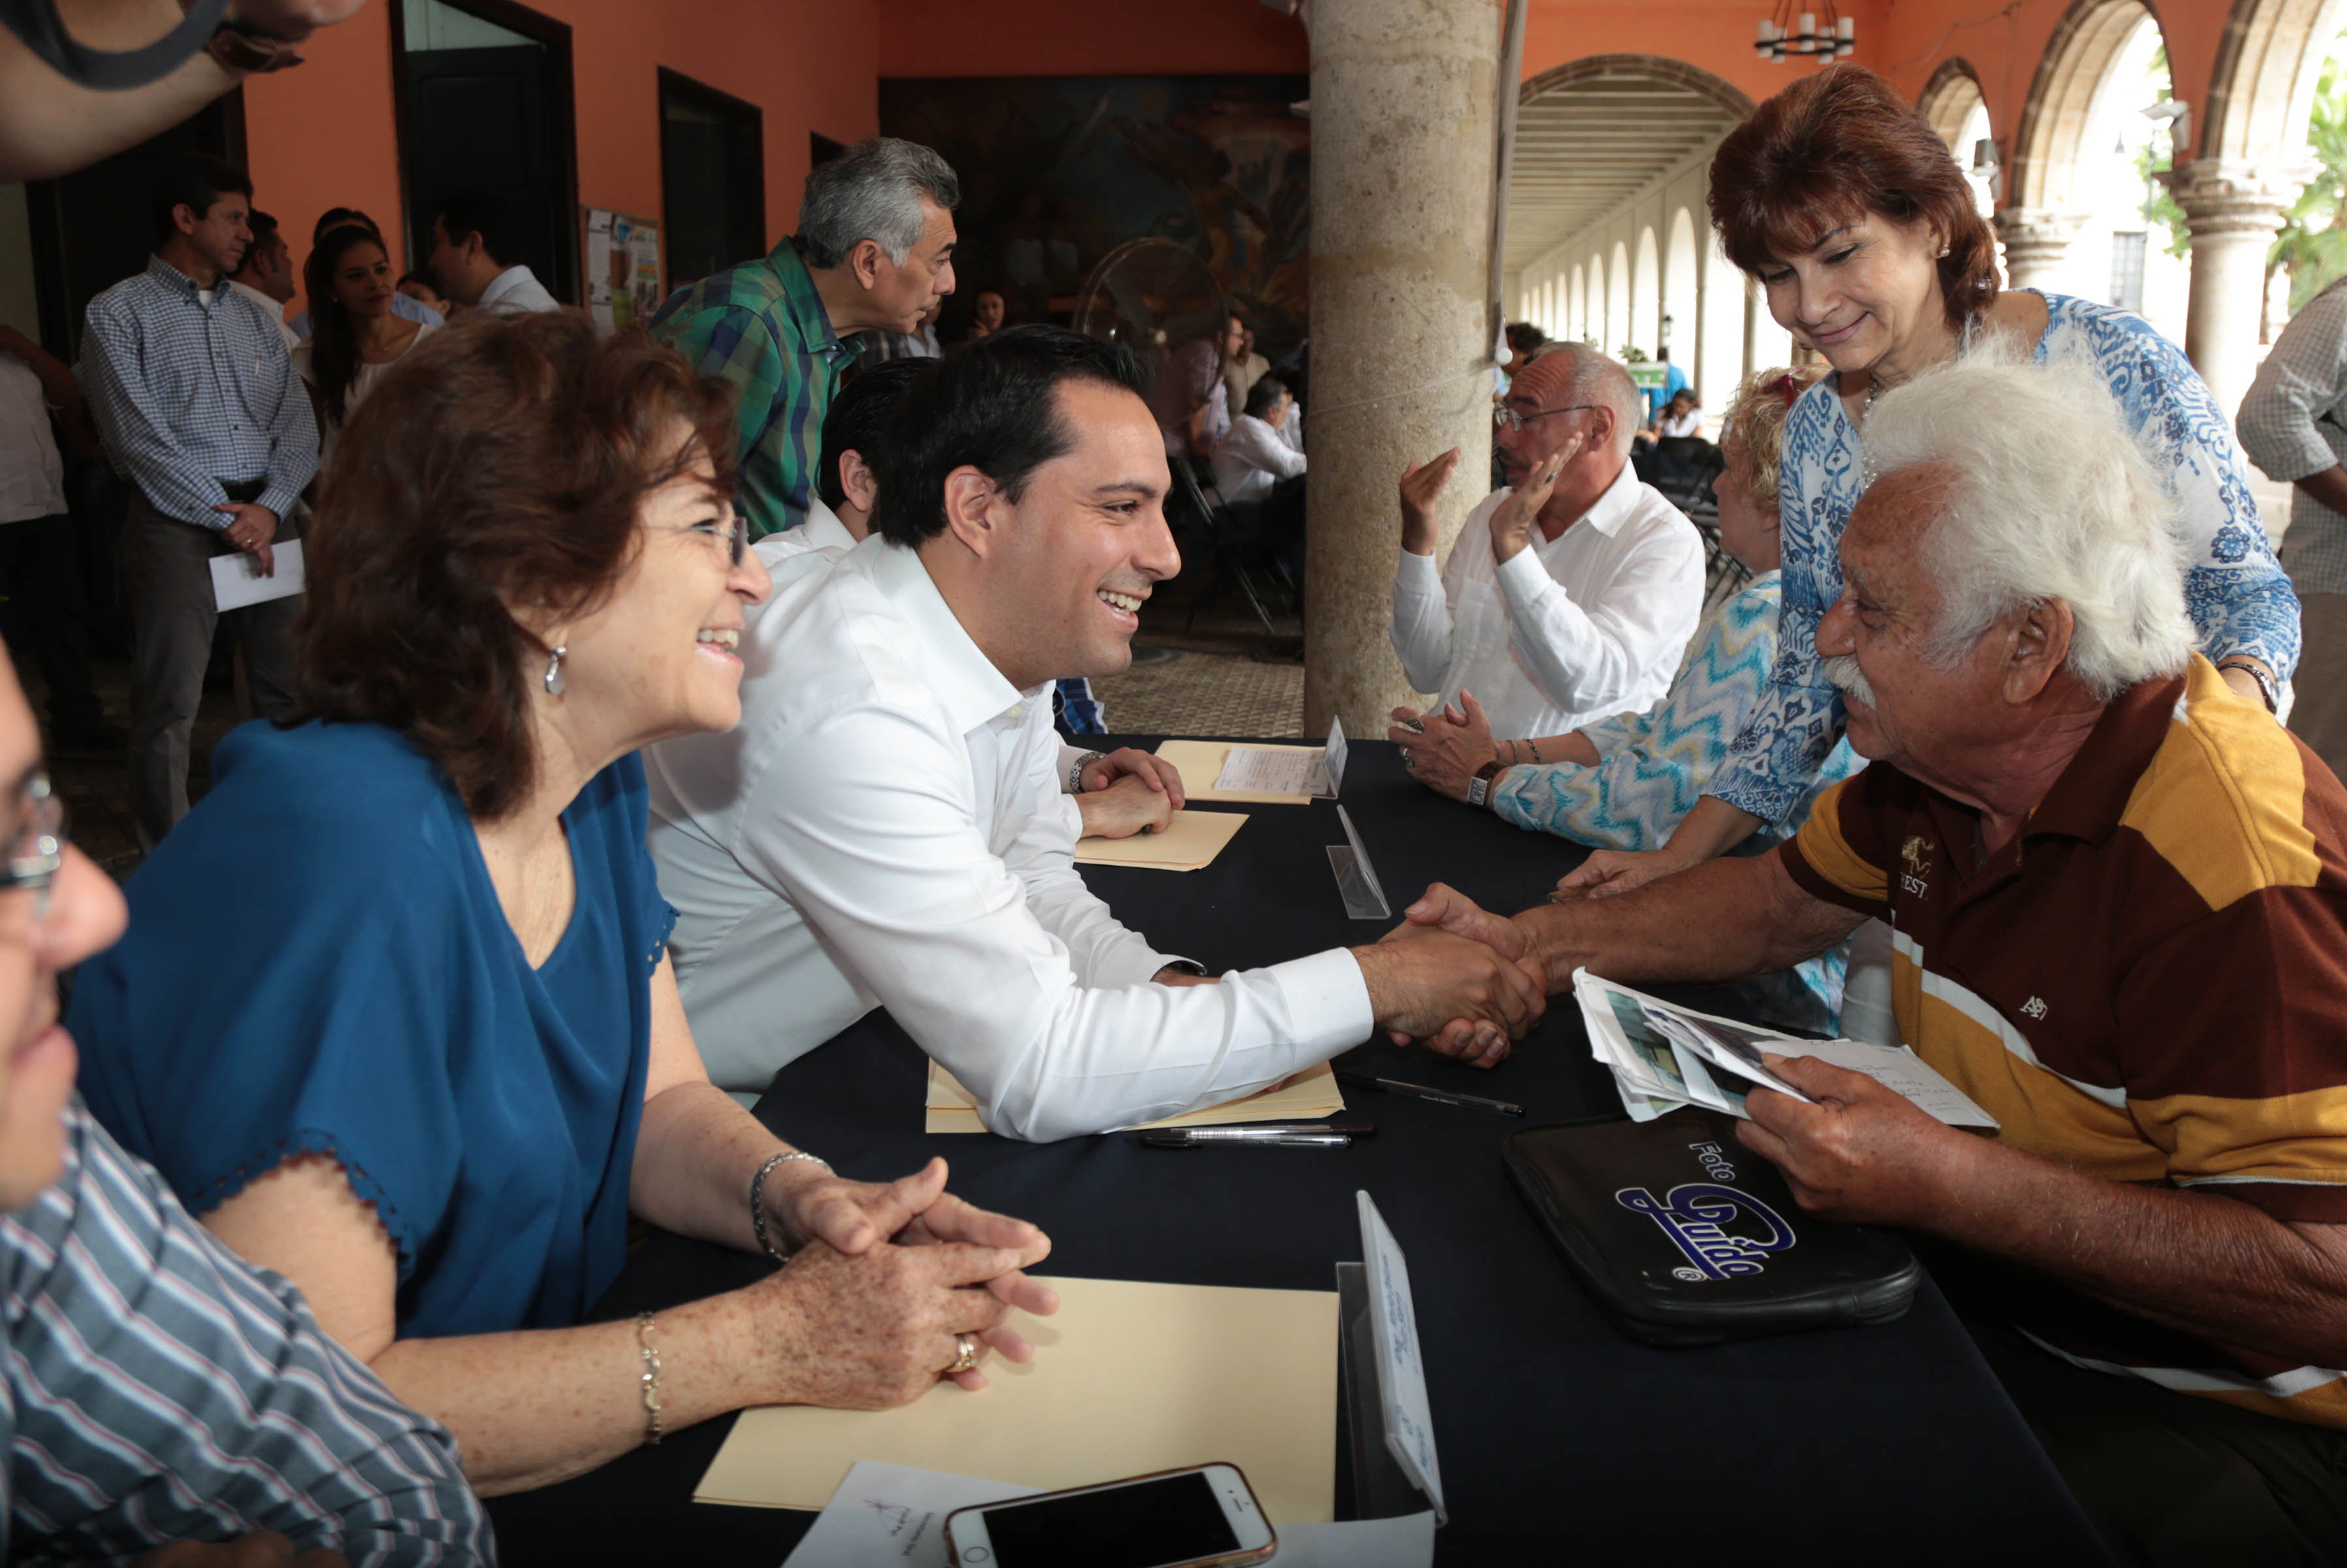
(1830, 147)
(500, 463)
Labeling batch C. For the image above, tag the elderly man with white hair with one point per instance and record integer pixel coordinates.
(2119, 897)
(1568, 598)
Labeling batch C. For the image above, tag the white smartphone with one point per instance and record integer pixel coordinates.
(1202, 1517)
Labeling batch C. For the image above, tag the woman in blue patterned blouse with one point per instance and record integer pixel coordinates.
(1844, 204)
(1624, 783)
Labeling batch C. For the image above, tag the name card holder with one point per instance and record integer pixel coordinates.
(1390, 1431)
(1357, 879)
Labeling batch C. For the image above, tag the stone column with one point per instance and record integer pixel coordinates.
(1403, 121)
(2037, 246)
(2233, 209)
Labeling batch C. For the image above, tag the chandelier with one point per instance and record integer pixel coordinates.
(1784, 35)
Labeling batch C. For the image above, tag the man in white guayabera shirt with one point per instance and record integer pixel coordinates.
(887, 826)
(1568, 599)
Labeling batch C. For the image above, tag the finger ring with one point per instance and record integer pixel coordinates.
(1416, 724)
(968, 1344)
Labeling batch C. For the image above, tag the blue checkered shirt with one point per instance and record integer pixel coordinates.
(157, 1388)
(2294, 424)
(188, 396)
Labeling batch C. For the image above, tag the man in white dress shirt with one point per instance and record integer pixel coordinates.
(1254, 455)
(1568, 599)
(887, 826)
(265, 276)
(471, 234)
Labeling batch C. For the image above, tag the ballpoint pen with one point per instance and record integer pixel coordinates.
(1242, 1137)
(1420, 1092)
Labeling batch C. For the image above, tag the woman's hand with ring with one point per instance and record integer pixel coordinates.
(872, 1332)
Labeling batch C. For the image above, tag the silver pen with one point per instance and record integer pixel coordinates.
(1252, 1137)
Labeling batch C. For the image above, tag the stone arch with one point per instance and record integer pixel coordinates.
(2261, 93)
(1646, 292)
(1619, 297)
(1948, 100)
(1682, 292)
(1576, 305)
(2046, 144)
(1593, 325)
(1662, 67)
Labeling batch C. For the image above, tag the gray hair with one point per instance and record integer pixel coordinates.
(873, 191)
(1600, 378)
(2052, 497)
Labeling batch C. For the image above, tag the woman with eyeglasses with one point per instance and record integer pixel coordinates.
(395, 1016)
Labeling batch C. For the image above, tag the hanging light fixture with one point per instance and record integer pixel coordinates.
(1785, 34)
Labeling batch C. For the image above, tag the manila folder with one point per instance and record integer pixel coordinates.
(1128, 1377)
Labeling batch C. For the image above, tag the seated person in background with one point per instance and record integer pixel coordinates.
(156, 1390)
(2120, 894)
(1683, 416)
(1118, 794)
(442, 1062)
(418, 286)
(1625, 782)
(887, 826)
(1191, 399)
(1253, 463)
(986, 315)
(1571, 597)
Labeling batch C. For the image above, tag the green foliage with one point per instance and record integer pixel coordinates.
(1633, 355)
(2313, 240)
(2152, 161)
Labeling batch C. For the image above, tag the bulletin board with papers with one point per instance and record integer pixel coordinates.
(620, 261)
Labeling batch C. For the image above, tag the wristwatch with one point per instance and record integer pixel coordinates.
(1076, 770)
(2265, 687)
(1479, 788)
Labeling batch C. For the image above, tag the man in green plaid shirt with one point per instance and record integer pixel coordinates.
(874, 252)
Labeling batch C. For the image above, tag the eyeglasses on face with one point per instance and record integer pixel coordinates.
(1507, 418)
(731, 532)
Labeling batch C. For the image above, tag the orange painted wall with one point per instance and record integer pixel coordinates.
(2005, 51)
(1716, 34)
(323, 136)
(1090, 38)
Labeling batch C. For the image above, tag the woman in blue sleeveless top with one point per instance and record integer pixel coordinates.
(395, 1016)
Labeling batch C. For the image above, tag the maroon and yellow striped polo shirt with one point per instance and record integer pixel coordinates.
(2149, 984)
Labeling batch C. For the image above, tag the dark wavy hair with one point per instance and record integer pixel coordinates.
(1834, 146)
(334, 336)
(503, 463)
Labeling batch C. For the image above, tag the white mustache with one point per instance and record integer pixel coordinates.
(1843, 671)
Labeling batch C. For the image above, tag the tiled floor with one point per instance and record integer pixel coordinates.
(1183, 693)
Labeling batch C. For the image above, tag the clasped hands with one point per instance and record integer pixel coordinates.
(1127, 791)
(1447, 747)
(884, 1276)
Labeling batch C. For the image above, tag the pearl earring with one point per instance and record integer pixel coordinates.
(553, 676)
(1943, 252)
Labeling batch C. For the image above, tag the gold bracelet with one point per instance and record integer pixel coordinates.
(650, 1377)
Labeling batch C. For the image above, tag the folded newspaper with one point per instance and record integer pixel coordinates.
(1663, 1057)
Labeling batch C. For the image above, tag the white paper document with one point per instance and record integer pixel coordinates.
(1299, 771)
(1663, 1057)
(237, 580)
(888, 1516)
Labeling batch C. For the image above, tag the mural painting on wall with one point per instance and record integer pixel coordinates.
(1056, 172)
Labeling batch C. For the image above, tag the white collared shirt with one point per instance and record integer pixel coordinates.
(1253, 457)
(516, 290)
(886, 827)
(1569, 630)
(276, 310)
(823, 530)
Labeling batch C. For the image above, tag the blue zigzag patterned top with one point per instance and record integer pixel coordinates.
(2235, 593)
(1652, 766)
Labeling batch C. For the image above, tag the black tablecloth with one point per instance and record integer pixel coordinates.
(1559, 1439)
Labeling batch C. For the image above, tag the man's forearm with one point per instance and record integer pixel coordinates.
(2205, 1263)
(2329, 488)
(1721, 921)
